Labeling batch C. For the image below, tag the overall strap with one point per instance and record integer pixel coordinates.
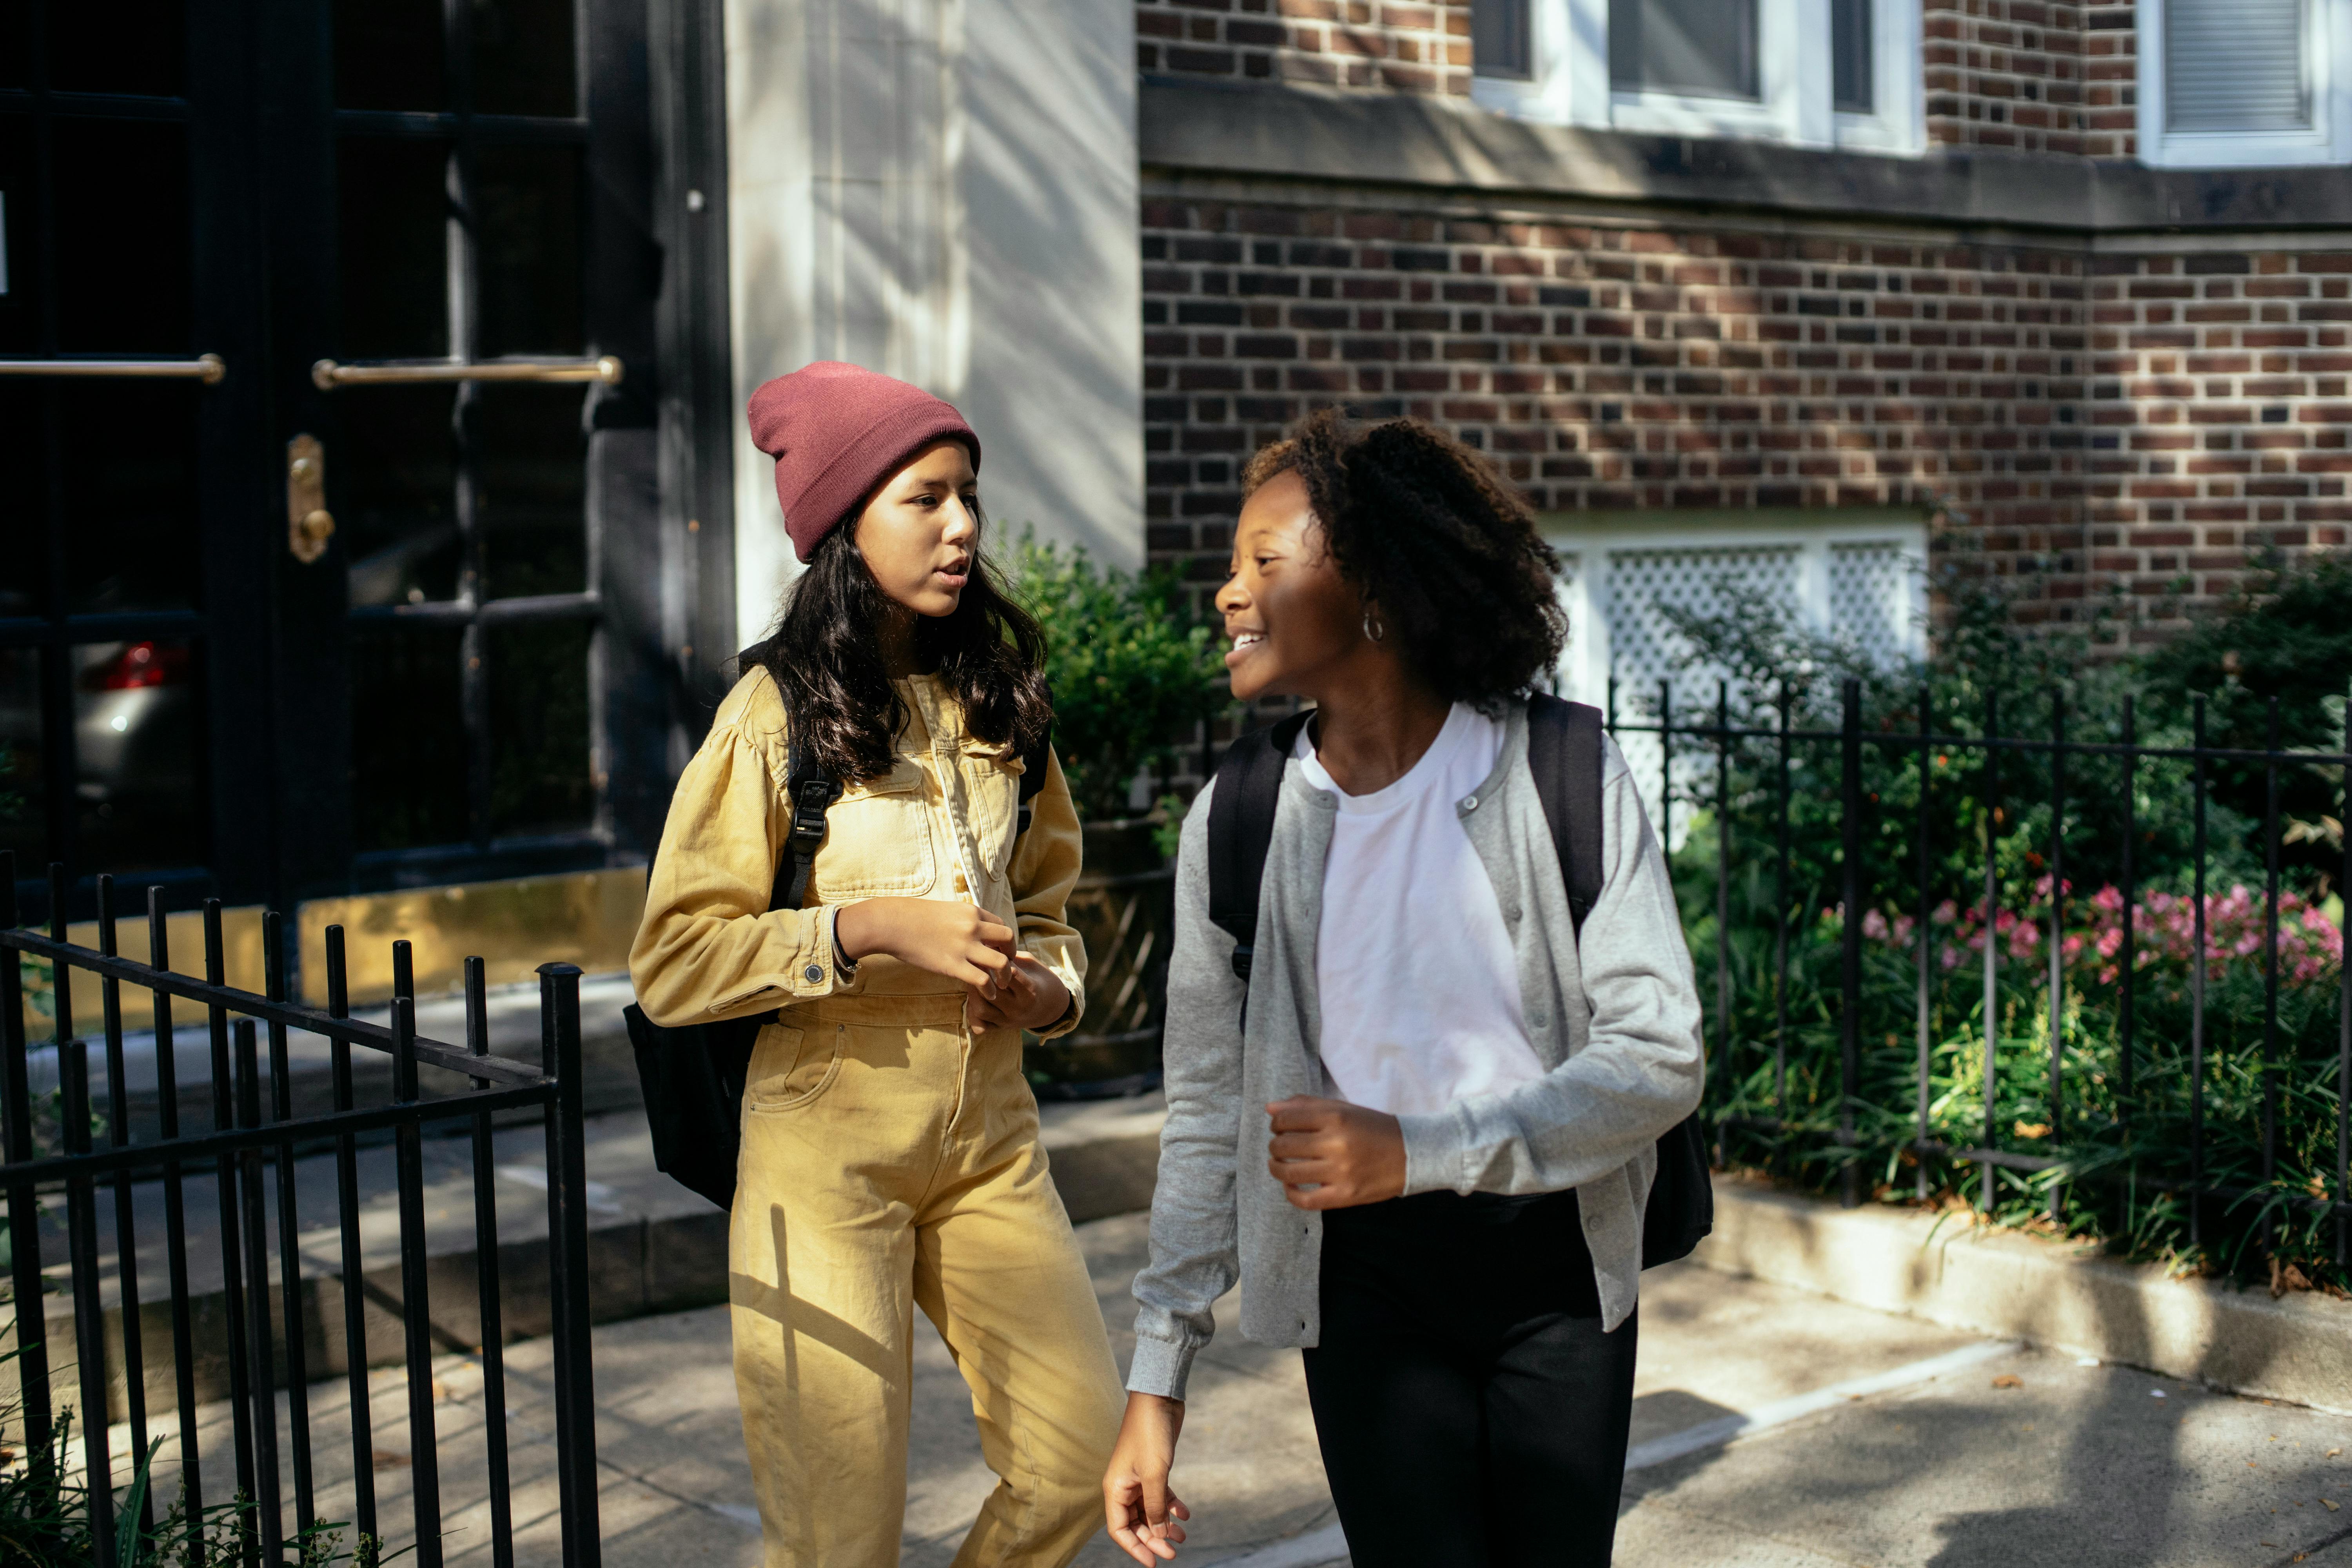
(1241, 830)
(1564, 752)
(1033, 762)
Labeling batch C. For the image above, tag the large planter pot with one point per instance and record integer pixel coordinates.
(1125, 908)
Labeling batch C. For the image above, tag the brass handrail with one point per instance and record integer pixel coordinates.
(207, 368)
(329, 374)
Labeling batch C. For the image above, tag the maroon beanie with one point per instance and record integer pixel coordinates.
(836, 431)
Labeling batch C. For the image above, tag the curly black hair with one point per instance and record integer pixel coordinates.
(989, 652)
(1439, 542)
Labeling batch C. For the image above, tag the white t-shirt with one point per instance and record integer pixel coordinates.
(1419, 989)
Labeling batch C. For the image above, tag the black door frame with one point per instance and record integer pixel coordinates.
(659, 449)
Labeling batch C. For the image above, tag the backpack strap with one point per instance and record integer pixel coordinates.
(810, 791)
(1241, 830)
(1033, 764)
(1564, 752)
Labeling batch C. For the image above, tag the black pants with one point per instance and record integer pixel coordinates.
(1471, 1412)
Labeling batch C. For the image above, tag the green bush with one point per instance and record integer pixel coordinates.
(1131, 667)
(2134, 1143)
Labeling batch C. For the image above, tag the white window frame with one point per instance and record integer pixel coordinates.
(1592, 538)
(1568, 82)
(2327, 45)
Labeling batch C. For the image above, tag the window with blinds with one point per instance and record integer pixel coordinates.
(2236, 66)
(1705, 48)
(1501, 41)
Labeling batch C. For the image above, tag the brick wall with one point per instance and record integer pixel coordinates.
(1421, 47)
(2005, 73)
(2100, 422)
(2219, 397)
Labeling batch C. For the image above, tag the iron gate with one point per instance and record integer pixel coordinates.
(273, 1327)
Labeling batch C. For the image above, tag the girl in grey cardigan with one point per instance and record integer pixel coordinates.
(1424, 1148)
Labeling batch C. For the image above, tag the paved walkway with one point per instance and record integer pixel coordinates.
(1858, 1438)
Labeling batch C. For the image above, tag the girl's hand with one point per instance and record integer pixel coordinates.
(960, 940)
(1029, 997)
(1138, 1505)
(1348, 1154)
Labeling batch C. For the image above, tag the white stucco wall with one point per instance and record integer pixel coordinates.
(944, 191)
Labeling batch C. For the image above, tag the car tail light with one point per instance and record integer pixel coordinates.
(141, 664)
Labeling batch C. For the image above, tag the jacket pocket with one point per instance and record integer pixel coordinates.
(791, 1067)
(995, 784)
(877, 840)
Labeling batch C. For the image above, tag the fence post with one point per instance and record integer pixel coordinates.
(2057, 941)
(1723, 891)
(1991, 947)
(1780, 931)
(1925, 956)
(2344, 1015)
(90, 1309)
(2197, 987)
(2270, 964)
(1850, 957)
(567, 1229)
(23, 1223)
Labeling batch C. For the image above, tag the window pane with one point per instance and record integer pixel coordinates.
(530, 463)
(393, 473)
(393, 205)
(1499, 44)
(1703, 47)
(24, 501)
(538, 728)
(1853, 85)
(408, 738)
(2235, 65)
(19, 321)
(139, 762)
(131, 519)
(122, 230)
(24, 816)
(122, 46)
(528, 199)
(522, 56)
(388, 54)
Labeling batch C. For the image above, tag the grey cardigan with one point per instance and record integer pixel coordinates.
(1617, 1025)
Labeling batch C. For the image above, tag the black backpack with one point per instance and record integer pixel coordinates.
(693, 1075)
(1564, 752)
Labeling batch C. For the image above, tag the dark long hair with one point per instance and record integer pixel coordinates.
(1440, 543)
(825, 661)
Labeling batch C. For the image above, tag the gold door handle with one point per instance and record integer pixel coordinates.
(309, 524)
(207, 368)
(328, 374)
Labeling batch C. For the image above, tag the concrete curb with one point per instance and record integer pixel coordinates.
(2012, 1286)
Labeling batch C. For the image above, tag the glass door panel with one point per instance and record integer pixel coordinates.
(105, 654)
(462, 239)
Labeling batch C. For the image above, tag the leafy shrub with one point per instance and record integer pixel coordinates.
(2138, 1142)
(1131, 667)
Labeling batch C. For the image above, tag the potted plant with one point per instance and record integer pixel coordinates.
(1134, 670)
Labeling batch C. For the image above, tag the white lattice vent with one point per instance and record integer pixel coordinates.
(1871, 587)
(1857, 577)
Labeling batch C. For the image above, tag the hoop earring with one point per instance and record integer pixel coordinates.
(1373, 630)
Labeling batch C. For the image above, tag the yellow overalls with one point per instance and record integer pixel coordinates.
(890, 1155)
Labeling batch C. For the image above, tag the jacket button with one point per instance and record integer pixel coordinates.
(1469, 803)
(814, 973)
(1539, 1020)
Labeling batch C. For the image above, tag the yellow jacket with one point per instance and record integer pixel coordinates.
(709, 946)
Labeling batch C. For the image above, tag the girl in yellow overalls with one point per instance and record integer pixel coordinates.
(890, 1156)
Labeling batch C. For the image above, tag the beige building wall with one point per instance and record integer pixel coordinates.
(944, 191)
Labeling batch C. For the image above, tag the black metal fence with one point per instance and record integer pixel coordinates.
(268, 1327)
(1978, 794)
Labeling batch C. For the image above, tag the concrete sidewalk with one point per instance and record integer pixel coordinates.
(1873, 1440)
